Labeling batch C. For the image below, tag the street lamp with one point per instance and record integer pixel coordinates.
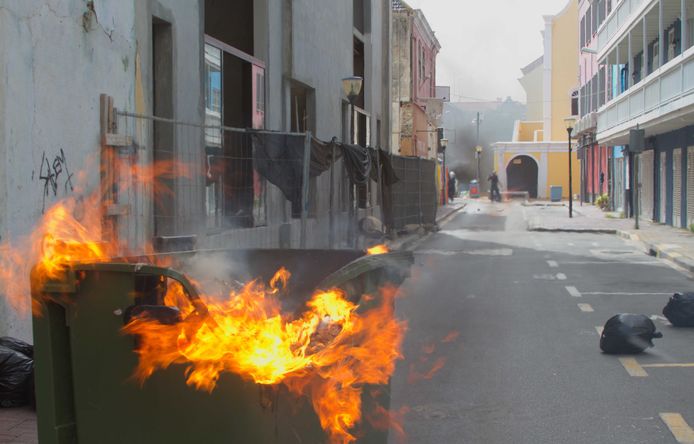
(351, 86)
(444, 198)
(570, 122)
(478, 148)
(478, 154)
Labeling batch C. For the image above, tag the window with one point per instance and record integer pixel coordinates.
(574, 103)
(301, 121)
(583, 32)
(235, 193)
(163, 143)
(589, 23)
(358, 11)
(358, 66)
(594, 17)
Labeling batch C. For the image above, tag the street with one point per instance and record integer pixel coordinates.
(515, 316)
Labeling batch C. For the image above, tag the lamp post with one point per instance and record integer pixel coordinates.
(444, 144)
(478, 154)
(351, 86)
(478, 148)
(570, 122)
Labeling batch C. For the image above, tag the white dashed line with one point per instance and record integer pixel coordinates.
(624, 293)
(573, 291)
(586, 308)
(552, 264)
(561, 276)
(599, 329)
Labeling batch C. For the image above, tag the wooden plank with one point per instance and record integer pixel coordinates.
(111, 139)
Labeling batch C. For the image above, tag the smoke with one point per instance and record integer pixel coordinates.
(496, 125)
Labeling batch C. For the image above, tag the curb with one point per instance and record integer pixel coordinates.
(659, 252)
(575, 230)
(407, 241)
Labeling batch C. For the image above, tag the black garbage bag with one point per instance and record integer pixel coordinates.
(17, 345)
(680, 310)
(16, 375)
(628, 333)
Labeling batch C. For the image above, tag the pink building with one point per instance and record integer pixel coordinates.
(595, 158)
(416, 110)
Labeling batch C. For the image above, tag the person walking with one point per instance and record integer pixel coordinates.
(451, 186)
(495, 194)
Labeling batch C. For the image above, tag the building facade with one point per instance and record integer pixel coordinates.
(646, 47)
(537, 158)
(167, 68)
(416, 109)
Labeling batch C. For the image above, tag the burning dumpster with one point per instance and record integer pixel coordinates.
(127, 352)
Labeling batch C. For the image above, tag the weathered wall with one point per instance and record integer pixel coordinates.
(53, 70)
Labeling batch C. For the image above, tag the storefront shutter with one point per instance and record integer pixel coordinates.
(677, 187)
(663, 189)
(690, 185)
(646, 176)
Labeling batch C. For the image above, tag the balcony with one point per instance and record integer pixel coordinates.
(661, 102)
(622, 17)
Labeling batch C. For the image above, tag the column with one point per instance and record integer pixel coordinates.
(661, 31)
(684, 37)
(646, 55)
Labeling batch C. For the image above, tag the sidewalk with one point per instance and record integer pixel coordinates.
(673, 244)
(403, 242)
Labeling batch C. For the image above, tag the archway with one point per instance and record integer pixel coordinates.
(521, 174)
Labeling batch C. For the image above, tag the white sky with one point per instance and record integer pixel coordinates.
(485, 43)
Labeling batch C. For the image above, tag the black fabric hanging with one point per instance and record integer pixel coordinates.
(279, 158)
(358, 163)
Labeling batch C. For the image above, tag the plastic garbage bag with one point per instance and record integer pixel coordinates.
(628, 333)
(16, 375)
(680, 310)
(17, 345)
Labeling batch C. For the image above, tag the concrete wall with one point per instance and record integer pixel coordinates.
(56, 66)
(564, 69)
(532, 84)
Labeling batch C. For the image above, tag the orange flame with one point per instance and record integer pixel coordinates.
(378, 249)
(327, 353)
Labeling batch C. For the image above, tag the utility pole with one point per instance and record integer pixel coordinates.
(478, 150)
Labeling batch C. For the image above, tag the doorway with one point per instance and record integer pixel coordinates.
(521, 174)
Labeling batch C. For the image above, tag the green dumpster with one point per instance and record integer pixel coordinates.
(84, 364)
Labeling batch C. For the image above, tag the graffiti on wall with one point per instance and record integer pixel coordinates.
(54, 175)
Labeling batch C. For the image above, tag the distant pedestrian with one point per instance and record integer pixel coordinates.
(495, 194)
(451, 186)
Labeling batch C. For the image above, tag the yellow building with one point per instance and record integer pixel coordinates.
(537, 157)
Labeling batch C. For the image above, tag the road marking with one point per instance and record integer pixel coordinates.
(623, 293)
(586, 308)
(595, 244)
(682, 365)
(571, 244)
(573, 291)
(646, 261)
(552, 264)
(599, 329)
(561, 276)
(678, 427)
(633, 367)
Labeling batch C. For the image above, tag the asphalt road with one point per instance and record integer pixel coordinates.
(499, 350)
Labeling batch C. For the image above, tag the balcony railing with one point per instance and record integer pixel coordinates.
(671, 82)
(622, 14)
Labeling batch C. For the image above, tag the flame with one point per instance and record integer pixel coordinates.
(327, 353)
(377, 249)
